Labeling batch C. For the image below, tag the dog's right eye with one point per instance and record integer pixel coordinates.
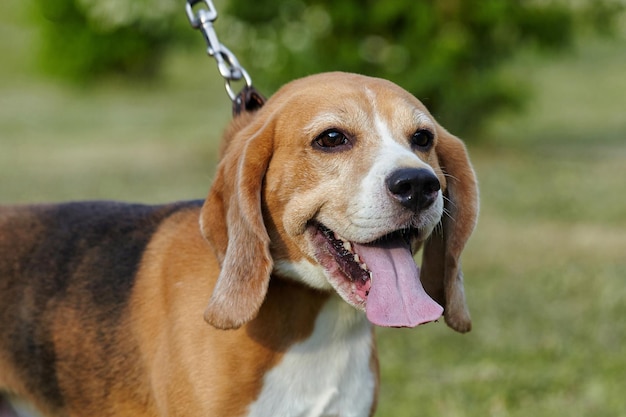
(422, 139)
(331, 140)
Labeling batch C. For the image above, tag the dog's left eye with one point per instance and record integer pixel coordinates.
(422, 139)
(331, 139)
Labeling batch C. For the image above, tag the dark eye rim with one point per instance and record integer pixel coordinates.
(422, 139)
(344, 144)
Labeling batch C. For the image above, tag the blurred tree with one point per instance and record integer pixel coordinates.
(82, 40)
(447, 52)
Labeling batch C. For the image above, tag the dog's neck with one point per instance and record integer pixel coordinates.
(293, 310)
(328, 367)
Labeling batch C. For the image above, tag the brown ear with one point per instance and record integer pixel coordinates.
(231, 221)
(441, 272)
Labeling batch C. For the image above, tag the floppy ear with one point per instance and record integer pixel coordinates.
(231, 221)
(441, 272)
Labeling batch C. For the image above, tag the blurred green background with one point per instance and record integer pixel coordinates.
(117, 100)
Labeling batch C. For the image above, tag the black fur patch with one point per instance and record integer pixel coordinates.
(78, 256)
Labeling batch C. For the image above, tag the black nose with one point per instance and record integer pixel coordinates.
(414, 188)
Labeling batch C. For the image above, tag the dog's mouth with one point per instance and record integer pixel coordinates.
(379, 277)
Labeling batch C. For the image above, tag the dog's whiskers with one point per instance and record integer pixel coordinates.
(445, 174)
(447, 213)
(449, 201)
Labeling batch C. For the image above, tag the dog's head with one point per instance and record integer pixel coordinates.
(336, 182)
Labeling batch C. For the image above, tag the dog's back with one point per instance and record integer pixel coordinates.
(72, 267)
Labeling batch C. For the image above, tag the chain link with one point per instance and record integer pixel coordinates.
(227, 63)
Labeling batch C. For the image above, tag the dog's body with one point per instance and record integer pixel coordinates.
(101, 303)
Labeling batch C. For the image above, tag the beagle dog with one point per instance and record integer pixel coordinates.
(261, 299)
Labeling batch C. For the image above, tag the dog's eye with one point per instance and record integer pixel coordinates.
(422, 139)
(331, 139)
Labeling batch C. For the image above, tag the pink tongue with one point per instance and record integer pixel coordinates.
(396, 298)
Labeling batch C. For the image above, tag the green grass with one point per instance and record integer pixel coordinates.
(545, 270)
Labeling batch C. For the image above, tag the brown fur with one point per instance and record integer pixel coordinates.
(101, 303)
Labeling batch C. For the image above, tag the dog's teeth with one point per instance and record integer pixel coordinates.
(357, 259)
(347, 245)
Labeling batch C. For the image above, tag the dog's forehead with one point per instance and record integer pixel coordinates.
(338, 99)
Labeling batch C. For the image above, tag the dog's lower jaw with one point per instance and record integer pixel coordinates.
(312, 274)
(303, 271)
(379, 277)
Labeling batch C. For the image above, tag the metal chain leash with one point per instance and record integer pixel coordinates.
(227, 63)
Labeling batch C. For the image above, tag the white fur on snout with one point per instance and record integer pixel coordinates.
(376, 212)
